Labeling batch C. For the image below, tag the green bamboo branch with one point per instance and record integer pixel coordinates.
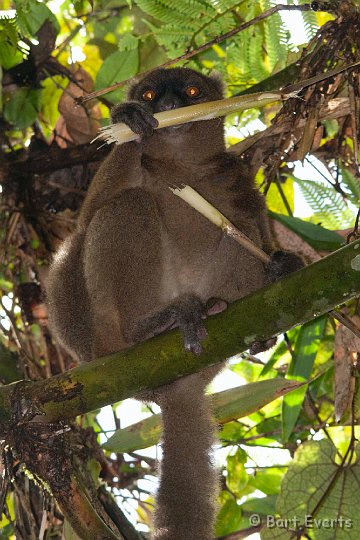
(298, 298)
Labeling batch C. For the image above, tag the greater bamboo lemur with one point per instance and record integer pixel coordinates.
(141, 261)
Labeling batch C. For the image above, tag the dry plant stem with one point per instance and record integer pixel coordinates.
(201, 205)
(120, 133)
(82, 515)
(242, 239)
(205, 47)
(318, 78)
(346, 321)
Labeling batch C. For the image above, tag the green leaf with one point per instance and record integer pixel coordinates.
(228, 405)
(290, 411)
(51, 92)
(140, 435)
(331, 127)
(22, 108)
(306, 349)
(315, 477)
(274, 201)
(7, 532)
(351, 185)
(32, 15)
(128, 43)
(36, 330)
(5, 284)
(229, 518)
(244, 400)
(318, 237)
(237, 477)
(117, 67)
(268, 481)
(263, 505)
(10, 55)
(9, 366)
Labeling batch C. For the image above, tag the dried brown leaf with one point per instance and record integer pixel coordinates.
(306, 142)
(77, 124)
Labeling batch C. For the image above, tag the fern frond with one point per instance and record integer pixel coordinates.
(9, 30)
(255, 57)
(328, 206)
(223, 5)
(193, 9)
(175, 38)
(220, 25)
(275, 48)
(159, 11)
(310, 24)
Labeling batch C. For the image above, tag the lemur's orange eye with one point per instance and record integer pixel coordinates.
(149, 95)
(192, 91)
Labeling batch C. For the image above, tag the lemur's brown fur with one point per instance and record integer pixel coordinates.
(142, 260)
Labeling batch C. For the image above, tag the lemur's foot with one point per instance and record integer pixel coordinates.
(188, 314)
(281, 264)
(261, 346)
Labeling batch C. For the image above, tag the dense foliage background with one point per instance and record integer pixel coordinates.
(281, 457)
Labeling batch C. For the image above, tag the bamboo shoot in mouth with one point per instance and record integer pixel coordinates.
(120, 133)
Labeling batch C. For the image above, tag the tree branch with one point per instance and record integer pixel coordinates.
(294, 300)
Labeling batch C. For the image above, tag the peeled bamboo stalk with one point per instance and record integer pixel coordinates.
(197, 201)
(120, 133)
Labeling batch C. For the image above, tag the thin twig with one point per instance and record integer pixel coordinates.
(354, 101)
(355, 232)
(282, 194)
(346, 321)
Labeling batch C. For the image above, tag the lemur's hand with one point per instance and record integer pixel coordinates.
(139, 119)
